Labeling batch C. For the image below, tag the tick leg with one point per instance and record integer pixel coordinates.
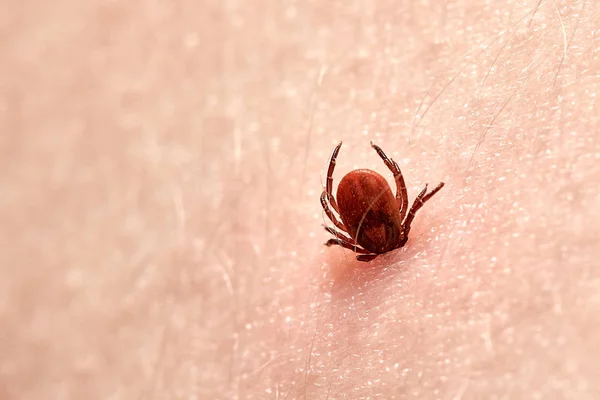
(401, 193)
(330, 214)
(364, 254)
(418, 203)
(366, 257)
(329, 184)
(340, 235)
(347, 245)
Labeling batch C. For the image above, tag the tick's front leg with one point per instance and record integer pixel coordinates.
(401, 193)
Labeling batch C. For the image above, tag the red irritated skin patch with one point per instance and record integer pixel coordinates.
(373, 221)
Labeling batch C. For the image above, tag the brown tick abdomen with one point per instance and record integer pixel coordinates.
(369, 210)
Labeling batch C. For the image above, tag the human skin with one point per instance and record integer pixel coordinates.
(160, 223)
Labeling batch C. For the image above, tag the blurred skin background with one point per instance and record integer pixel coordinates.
(160, 225)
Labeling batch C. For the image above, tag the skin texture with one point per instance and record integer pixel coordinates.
(160, 222)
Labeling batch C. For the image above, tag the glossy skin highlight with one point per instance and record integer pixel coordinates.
(375, 220)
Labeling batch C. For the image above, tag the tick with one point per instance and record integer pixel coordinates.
(374, 220)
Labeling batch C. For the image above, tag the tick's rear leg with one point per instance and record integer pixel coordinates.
(340, 235)
(417, 204)
(349, 243)
(401, 193)
(324, 203)
(366, 257)
(364, 254)
(341, 242)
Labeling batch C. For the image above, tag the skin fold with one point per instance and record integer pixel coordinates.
(160, 223)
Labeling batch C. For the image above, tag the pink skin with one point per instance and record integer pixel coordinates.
(161, 232)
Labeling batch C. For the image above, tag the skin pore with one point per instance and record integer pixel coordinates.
(160, 219)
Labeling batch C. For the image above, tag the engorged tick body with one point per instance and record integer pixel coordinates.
(369, 212)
